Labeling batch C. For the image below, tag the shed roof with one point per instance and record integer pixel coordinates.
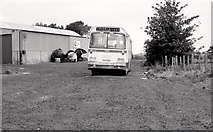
(7, 25)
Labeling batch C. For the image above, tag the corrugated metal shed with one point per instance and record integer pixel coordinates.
(38, 42)
(7, 25)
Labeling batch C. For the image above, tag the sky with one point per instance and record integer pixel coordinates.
(130, 14)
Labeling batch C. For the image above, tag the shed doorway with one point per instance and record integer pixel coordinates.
(6, 49)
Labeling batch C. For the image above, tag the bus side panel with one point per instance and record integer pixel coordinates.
(129, 48)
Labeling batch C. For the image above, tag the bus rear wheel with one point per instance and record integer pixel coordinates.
(125, 72)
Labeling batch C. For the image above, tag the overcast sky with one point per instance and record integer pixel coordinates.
(129, 14)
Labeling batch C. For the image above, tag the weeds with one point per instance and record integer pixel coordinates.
(178, 73)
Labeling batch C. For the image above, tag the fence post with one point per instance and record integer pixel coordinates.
(172, 61)
(192, 60)
(205, 61)
(166, 63)
(184, 67)
(188, 62)
(187, 59)
(199, 61)
(176, 60)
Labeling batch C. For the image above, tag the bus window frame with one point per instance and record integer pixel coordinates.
(107, 44)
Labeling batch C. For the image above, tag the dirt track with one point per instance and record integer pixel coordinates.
(65, 96)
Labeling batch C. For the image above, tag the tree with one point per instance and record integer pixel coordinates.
(210, 49)
(41, 24)
(170, 31)
(78, 27)
(52, 25)
(210, 52)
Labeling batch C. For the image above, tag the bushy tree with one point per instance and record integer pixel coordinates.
(210, 49)
(41, 24)
(78, 27)
(171, 32)
(52, 25)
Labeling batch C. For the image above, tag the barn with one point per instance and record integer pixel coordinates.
(26, 44)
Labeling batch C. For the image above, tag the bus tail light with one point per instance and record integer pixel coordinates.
(123, 52)
(90, 51)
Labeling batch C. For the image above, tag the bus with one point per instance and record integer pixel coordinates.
(109, 48)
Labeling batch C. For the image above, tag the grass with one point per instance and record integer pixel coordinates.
(192, 73)
(58, 96)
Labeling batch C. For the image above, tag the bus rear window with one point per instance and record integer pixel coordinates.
(108, 40)
(116, 41)
(98, 40)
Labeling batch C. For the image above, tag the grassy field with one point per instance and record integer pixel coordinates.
(64, 96)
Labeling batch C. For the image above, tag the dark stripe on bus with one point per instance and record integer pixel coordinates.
(119, 51)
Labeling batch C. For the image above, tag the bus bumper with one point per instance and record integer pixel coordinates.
(121, 66)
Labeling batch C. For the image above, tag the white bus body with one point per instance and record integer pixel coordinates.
(109, 48)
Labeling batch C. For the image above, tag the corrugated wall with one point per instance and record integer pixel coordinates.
(77, 42)
(39, 46)
(15, 47)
